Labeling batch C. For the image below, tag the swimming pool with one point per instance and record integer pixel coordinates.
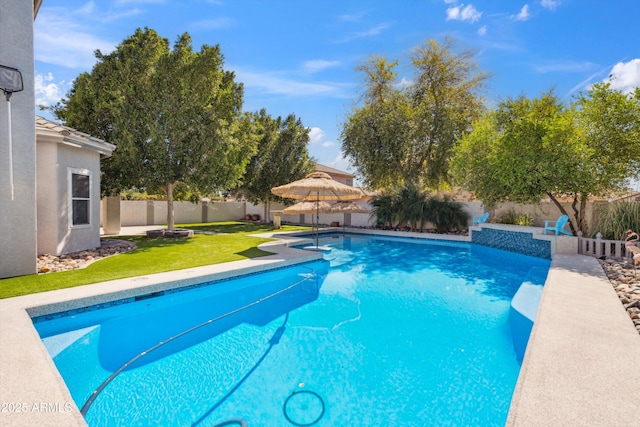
(385, 331)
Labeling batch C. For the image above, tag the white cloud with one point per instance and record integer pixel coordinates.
(47, 93)
(371, 32)
(564, 67)
(315, 135)
(114, 17)
(317, 65)
(584, 84)
(67, 39)
(625, 76)
(550, 4)
(523, 15)
(482, 30)
(215, 24)
(354, 17)
(403, 83)
(341, 163)
(461, 13)
(273, 84)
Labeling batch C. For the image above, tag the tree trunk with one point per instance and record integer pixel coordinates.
(564, 212)
(583, 214)
(170, 219)
(576, 212)
(579, 214)
(265, 216)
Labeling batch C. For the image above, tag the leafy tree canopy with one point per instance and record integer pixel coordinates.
(404, 135)
(282, 156)
(525, 150)
(175, 116)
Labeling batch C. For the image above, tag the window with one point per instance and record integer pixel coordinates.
(80, 198)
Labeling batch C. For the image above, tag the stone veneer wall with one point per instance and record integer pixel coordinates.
(513, 241)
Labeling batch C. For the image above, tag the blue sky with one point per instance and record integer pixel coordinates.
(299, 56)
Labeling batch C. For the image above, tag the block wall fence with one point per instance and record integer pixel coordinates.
(139, 213)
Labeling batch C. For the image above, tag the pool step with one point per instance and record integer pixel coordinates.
(522, 315)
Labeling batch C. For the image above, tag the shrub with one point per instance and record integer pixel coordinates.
(412, 207)
(617, 217)
(513, 217)
(446, 214)
(384, 208)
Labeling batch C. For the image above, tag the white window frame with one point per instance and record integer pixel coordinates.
(70, 173)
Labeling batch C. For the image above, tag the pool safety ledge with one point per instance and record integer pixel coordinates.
(522, 315)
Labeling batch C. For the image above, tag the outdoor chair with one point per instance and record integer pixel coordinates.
(557, 226)
(480, 219)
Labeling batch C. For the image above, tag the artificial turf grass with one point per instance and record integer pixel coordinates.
(154, 256)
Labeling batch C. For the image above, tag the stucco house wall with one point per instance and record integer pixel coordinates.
(56, 233)
(18, 215)
(337, 175)
(63, 152)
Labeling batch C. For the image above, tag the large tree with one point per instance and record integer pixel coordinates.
(282, 157)
(175, 117)
(526, 150)
(404, 135)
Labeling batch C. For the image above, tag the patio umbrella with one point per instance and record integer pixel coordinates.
(306, 207)
(348, 207)
(316, 187)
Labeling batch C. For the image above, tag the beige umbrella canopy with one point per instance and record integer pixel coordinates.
(317, 186)
(307, 208)
(348, 207)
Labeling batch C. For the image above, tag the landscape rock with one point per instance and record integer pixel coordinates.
(626, 282)
(47, 263)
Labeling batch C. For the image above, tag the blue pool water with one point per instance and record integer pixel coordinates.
(383, 332)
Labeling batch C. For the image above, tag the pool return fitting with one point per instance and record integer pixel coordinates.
(117, 372)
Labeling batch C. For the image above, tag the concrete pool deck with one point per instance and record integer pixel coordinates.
(580, 368)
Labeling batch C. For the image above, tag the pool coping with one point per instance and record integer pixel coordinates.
(571, 373)
(581, 364)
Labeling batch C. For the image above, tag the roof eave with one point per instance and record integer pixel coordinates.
(105, 149)
(36, 7)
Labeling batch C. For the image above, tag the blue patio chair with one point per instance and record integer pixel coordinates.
(557, 226)
(480, 219)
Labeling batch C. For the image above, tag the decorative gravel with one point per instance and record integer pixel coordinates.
(625, 279)
(72, 261)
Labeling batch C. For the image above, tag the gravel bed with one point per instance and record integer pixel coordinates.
(625, 279)
(50, 263)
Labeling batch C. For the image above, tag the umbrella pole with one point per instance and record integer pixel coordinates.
(317, 217)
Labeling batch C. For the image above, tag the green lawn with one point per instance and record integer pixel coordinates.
(155, 256)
